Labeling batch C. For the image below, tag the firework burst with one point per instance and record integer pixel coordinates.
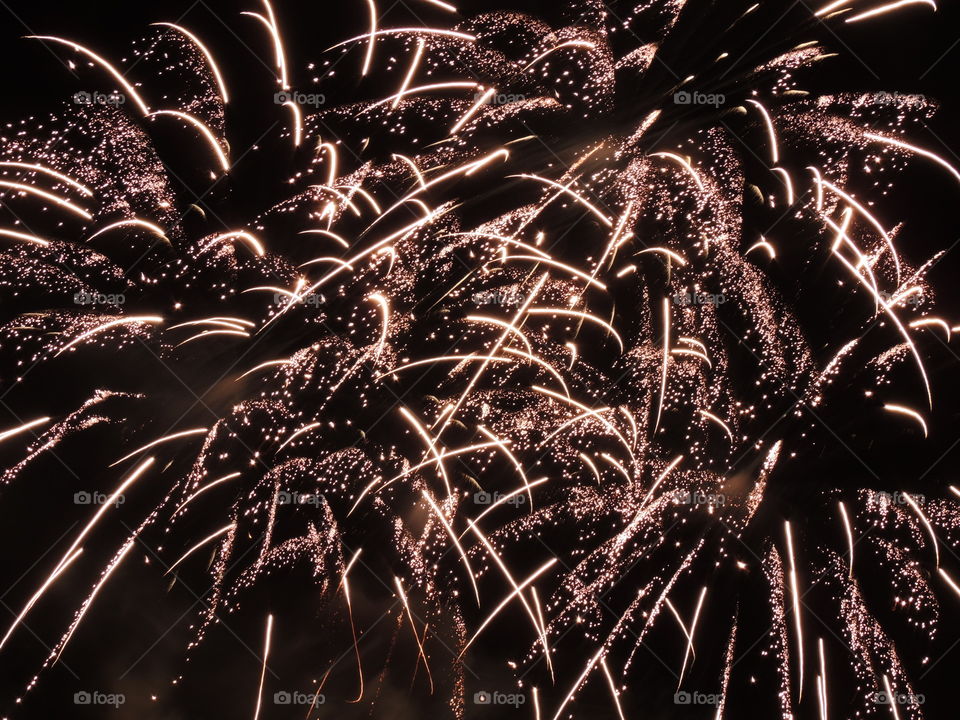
(495, 384)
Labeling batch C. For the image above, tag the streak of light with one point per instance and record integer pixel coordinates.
(900, 409)
(206, 53)
(134, 95)
(211, 536)
(106, 326)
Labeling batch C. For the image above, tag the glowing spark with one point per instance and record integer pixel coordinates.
(926, 523)
(456, 543)
(263, 669)
(710, 416)
(913, 148)
(22, 428)
(202, 490)
(107, 325)
(416, 633)
(206, 53)
(242, 235)
(368, 58)
(796, 603)
(909, 413)
(683, 163)
(613, 688)
(414, 64)
(666, 360)
(23, 236)
(204, 130)
(763, 245)
(297, 122)
(480, 102)
(774, 149)
(62, 202)
(165, 438)
(35, 167)
(133, 222)
(889, 8)
(212, 536)
(849, 531)
(128, 88)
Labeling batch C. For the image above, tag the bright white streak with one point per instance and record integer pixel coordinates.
(909, 413)
(849, 530)
(62, 202)
(774, 149)
(263, 669)
(106, 326)
(204, 130)
(23, 236)
(796, 602)
(84, 190)
(913, 148)
(211, 536)
(165, 438)
(889, 8)
(926, 523)
(206, 53)
(100, 61)
(22, 428)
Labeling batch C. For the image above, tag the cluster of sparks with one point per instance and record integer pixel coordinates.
(461, 353)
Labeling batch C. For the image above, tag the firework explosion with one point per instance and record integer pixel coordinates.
(492, 404)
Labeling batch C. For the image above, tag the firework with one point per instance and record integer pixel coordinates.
(492, 389)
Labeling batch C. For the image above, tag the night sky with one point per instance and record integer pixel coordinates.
(267, 362)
